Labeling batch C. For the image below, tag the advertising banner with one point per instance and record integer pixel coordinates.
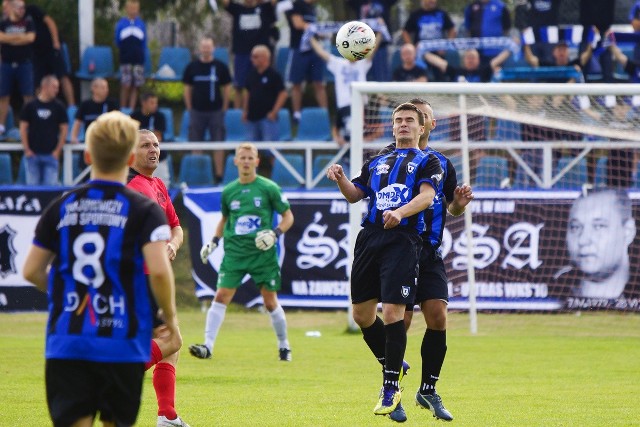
(535, 251)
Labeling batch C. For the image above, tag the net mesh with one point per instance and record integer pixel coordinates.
(551, 174)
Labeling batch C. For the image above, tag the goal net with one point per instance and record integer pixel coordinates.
(553, 168)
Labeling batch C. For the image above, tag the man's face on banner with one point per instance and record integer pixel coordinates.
(597, 237)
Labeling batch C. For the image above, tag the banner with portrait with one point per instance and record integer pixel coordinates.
(521, 256)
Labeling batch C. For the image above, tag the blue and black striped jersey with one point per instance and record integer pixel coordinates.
(393, 179)
(436, 215)
(99, 300)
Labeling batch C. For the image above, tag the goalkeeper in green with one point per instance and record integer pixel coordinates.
(248, 205)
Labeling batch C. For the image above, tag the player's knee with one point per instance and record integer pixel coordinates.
(172, 359)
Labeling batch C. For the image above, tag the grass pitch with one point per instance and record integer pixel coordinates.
(520, 370)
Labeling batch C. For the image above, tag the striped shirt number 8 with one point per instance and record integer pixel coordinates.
(88, 248)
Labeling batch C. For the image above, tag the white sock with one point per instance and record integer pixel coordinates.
(215, 317)
(279, 323)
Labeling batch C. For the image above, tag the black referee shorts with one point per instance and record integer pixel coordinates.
(80, 388)
(385, 265)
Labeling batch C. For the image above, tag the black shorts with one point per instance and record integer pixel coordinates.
(385, 266)
(79, 388)
(432, 277)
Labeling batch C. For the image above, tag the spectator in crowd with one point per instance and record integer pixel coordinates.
(43, 131)
(17, 34)
(149, 116)
(536, 15)
(634, 19)
(376, 9)
(264, 96)
(472, 70)
(408, 70)
(207, 84)
(253, 24)
(303, 65)
(131, 39)
(152, 119)
(561, 58)
(345, 72)
(600, 15)
(91, 108)
(429, 23)
(600, 229)
(487, 18)
(47, 55)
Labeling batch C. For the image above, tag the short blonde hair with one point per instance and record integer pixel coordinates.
(247, 146)
(110, 140)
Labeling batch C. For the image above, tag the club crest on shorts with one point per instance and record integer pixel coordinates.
(405, 291)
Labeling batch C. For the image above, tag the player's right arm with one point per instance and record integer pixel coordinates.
(348, 189)
(211, 245)
(36, 266)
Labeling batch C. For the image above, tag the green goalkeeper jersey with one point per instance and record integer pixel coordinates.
(249, 208)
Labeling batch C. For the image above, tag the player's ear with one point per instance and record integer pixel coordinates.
(433, 124)
(87, 157)
(629, 231)
(132, 158)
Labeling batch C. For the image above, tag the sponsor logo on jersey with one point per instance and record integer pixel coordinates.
(247, 224)
(234, 205)
(392, 196)
(382, 168)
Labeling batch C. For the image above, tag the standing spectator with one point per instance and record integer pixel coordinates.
(345, 72)
(207, 84)
(164, 353)
(152, 119)
(47, 56)
(376, 9)
(487, 18)
(598, 14)
(248, 207)
(408, 70)
(429, 23)
(91, 108)
(131, 39)
(43, 131)
(264, 96)
(536, 15)
(303, 65)
(634, 20)
(17, 34)
(253, 23)
(95, 356)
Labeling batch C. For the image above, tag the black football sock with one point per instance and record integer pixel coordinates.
(433, 350)
(374, 336)
(396, 344)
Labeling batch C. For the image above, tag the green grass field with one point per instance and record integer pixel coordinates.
(520, 370)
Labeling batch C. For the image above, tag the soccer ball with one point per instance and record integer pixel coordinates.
(355, 40)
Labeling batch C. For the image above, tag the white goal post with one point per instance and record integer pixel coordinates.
(498, 102)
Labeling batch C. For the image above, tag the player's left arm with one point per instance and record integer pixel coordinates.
(462, 196)
(36, 266)
(286, 222)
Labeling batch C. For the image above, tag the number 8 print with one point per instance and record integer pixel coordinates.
(85, 259)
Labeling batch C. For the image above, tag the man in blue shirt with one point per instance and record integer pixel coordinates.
(131, 39)
(487, 18)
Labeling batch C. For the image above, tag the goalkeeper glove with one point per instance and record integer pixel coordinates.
(265, 239)
(208, 248)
